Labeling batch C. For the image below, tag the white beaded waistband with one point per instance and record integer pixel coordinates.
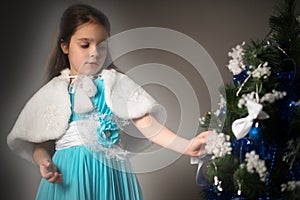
(70, 138)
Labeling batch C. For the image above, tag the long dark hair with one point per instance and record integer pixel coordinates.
(74, 16)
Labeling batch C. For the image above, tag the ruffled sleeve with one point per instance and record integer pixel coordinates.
(126, 98)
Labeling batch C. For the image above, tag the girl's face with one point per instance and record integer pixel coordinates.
(87, 49)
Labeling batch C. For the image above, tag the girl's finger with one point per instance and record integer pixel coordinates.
(202, 151)
(48, 175)
(59, 179)
(54, 178)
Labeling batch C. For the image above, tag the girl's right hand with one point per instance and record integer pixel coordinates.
(49, 172)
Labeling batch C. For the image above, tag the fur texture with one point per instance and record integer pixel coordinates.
(45, 116)
(124, 97)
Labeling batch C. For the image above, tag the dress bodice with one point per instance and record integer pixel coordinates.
(107, 130)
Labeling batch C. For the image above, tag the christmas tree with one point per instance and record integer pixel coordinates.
(255, 151)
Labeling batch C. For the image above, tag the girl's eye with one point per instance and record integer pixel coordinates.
(85, 46)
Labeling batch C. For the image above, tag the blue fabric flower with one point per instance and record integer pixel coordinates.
(108, 132)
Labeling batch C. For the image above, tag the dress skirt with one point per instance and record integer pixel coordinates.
(87, 176)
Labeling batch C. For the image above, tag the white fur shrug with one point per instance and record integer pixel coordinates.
(45, 116)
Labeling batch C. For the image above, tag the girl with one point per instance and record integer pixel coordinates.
(77, 113)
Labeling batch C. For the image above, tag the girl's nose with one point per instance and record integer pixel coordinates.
(94, 53)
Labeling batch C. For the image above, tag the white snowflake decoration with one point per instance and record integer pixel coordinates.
(245, 97)
(218, 144)
(236, 64)
(262, 71)
(290, 186)
(222, 105)
(271, 97)
(202, 119)
(254, 164)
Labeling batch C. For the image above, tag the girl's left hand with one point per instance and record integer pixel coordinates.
(197, 147)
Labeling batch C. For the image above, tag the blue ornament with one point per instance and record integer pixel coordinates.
(239, 78)
(255, 132)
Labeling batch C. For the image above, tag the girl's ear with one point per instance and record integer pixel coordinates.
(64, 47)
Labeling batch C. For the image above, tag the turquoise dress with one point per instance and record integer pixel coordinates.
(90, 174)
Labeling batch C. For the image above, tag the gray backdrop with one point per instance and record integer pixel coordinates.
(27, 33)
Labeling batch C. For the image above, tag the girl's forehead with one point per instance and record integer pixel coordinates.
(91, 31)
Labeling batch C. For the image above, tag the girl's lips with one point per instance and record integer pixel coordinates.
(92, 63)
